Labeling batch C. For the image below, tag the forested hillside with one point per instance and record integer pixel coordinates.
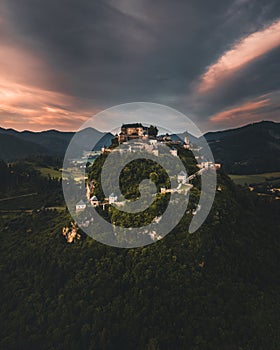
(252, 149)
(215, 289)
(15, 145)
(12, 148)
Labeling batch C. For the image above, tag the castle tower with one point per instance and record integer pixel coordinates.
(186, 142)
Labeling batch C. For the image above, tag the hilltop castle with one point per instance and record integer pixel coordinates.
(132, 131)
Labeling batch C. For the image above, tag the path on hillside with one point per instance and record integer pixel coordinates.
(15, 197)
(16, 211)
(30, 211)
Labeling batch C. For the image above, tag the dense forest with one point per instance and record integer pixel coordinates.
(215, 289)
(251, 149)
(21, 179)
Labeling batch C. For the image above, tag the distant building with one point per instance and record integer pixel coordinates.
(94, 201)
(174, 152)
(204, 165)
(166, 138)
(80, 206)
(153, 142)
(182, 177)
(209, 164)
(112, 198)
(155, 152)
(105, 150)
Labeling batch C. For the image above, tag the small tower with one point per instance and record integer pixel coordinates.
(94, 201)
(80, 206)
(182, 177)
(186, 142)
(112, 198)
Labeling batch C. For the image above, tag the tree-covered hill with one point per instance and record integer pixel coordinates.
(13, 148)
(215, 289)
(15, 145)
(252, 149)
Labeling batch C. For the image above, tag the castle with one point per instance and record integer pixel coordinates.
(132, 131)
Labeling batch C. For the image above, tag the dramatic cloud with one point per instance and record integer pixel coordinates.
(25, 107)
(242, 53)
(245, 112)
(27, 96)
(61, 62)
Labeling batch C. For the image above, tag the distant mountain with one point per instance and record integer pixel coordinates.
(105, 140)
(54, 141)
(51, 142)
(254, 148)
(13, 148)
(91, 139)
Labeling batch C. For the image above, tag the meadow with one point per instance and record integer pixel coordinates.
(255, 178)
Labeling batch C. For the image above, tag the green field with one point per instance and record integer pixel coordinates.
(255, 178)
(45, 171)
(73, 173)
(186, 187)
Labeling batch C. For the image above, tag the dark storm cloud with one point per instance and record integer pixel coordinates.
(110, 52)
(99, 46)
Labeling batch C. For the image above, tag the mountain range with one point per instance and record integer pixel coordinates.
(16, 145)
(251, 149)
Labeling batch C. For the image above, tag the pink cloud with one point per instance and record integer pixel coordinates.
(263, 107)
(241, 54)
(27, 107)
(29, 97)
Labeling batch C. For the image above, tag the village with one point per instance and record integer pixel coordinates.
(138, 133)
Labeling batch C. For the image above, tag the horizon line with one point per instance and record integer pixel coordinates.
(74, 131)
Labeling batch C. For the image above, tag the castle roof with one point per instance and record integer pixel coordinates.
(133, 125)
(81, 203)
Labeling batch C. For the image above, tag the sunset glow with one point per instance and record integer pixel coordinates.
(241, 54)
(57, 76)
(24, 107)
(245, 112)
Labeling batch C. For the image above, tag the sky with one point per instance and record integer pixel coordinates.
(63, 61)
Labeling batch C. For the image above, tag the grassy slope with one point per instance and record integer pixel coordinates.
(255, 178)
(46, 171)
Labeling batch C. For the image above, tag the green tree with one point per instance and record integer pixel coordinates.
(154, 177)
(152, 131)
